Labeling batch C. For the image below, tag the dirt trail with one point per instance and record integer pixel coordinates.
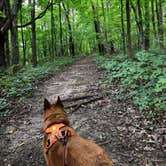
(118, 127)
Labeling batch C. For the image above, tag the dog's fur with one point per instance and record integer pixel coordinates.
(79, 151)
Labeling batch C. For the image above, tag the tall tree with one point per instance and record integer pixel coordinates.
(60, 30)
(14, 35)
(122, 27)
(153, 18)
(33, 29)
(147, 26)
(44, 43)
(97, 29)
(159, 12)
(2, 37)
(22, 37)
(53, 45)
(105, 23)
(71, 40)
(140, 23)
(129, 47)
(7, 50)
(9, 22)
(137, 22)
(2, 46)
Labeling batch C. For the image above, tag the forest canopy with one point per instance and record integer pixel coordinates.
(32, 31)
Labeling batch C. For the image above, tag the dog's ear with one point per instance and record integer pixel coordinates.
(59, 102)
(46, 104)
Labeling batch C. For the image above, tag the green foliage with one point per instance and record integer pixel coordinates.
(142, 80)
(2, 14)
(22, 84)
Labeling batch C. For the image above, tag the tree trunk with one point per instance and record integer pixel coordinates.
(147, 26)
(2, 38)
(137, 23)
(9, 22)
(123, 30)
(2, 46)
(159, 13)
(22, 37)
(153, 18)
(161, 24)
(129, 48)
(44, 50)
(33, 29)
(66, 46)
(53, 45)
(105, 24)
(14, 36)
(71, 40)
(112, 49)
(60, 28)
(140, 23)
(7, 50)
(98, 36)
(97, 30)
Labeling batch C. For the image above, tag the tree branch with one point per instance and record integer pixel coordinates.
(36, 18)
(10, 17)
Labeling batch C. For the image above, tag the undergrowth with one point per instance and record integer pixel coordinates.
(142, 80)
(16, 87)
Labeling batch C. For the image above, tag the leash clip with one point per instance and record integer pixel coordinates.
(64, 137)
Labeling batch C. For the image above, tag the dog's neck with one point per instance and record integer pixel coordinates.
(55, 119)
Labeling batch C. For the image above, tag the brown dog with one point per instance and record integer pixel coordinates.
(61, 145)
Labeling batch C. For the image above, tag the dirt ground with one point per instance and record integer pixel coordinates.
(117, 126)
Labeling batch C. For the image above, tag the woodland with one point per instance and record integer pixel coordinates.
(106, 59)
(127, 38)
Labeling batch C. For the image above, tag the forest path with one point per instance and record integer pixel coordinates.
(117, 126)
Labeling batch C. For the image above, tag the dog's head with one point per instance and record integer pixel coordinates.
(54, 113)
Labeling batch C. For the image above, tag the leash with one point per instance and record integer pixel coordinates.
(57, 135)
(64, 161)
(64, 154)
(64, 142)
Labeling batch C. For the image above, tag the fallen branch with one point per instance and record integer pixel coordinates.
(77, 105)
(77, 98)
(140, 128)
(103, 143)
